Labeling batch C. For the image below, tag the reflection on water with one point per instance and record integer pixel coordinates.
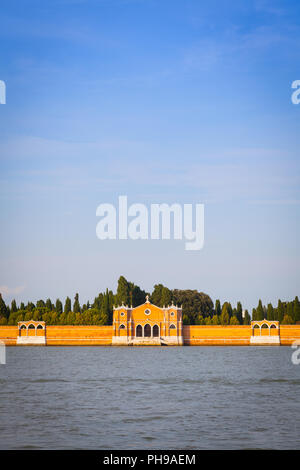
(149, 398)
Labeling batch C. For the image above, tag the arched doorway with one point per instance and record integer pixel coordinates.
(147, 331)
(31, 330)
(139, 331)
(23, 330)
(256, 330)
(40, 330)
(155, 331)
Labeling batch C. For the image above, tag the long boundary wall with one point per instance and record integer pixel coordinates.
(194, 335)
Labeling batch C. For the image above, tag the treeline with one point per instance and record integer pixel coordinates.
(197, 308)
(286, 313)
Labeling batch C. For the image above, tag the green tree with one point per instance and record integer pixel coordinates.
(280, 311)
(260, 314)
(193, 303)
(40, 304)
(67, 307)
(3, 309)
(287, 320)
(234, 320)
(247, 319)
(215, 320)
(13, 306)
(58, 307)
(218, 307)
(30, 306)
(76, 305)
(123, 292)
(156, 295)
(239, 313)
(63, 319)
(224, 319)
(290, 310)
(71, 317)
(49, 305)
(166, 297)
(296, 310)
(270, 312)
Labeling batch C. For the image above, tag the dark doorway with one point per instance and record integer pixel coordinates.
(147, 331)
(155, 331)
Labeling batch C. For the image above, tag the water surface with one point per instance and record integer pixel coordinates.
(149, 398)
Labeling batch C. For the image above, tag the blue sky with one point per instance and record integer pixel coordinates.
(165, 101)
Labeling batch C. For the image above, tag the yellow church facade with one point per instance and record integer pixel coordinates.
(147, 324)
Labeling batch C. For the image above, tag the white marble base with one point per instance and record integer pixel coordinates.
(31, 340)
(265, 340)
(145, 341)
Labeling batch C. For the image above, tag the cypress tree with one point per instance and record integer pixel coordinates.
(58, 307)
(3, 309)
(67, 308)
(13, 306)
(247, 319)
(225, 315)
(290, 310)
(270, 312)
(280, 311)
(260, 314)
(76, 305)
(218, 307)
(239, 312)
(296, 309)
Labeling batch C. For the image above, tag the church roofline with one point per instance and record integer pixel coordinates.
(169, 307)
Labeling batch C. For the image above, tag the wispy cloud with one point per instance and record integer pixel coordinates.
(9, 291)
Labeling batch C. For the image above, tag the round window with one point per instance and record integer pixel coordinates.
(122, 314)
(172, 314)
(147, 311)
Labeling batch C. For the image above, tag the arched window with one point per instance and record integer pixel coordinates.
(23, 327)
(265, 325)
(31, 327)
(139, 331)
(122, 327)
(256, 326)
(155, 331)
(39, 327)
(273, 326)
(147, 331)
(172, 327)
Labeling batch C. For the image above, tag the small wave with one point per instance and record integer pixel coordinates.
(142, 419)
(289, 381)
(41, 381)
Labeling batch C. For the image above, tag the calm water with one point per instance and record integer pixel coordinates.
(149, 398)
